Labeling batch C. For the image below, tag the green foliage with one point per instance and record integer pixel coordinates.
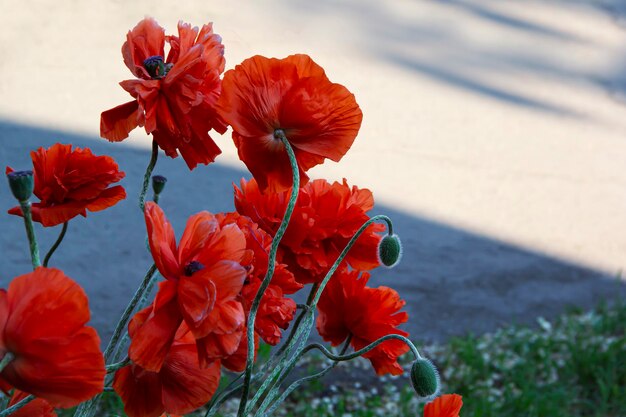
(573, 367)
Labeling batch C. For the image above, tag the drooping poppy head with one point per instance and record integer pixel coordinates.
(174, 96)
(179, 387)
(42, 324)
(348, 307)
(263, 95)
(325, 218)
(448, 405)
(68, 182)
(204, 278)
(276, 310)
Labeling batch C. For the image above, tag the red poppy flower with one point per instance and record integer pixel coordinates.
(174, 97)
(180, 386)
(325, 218)
(348, 307)
(70, 182)
(203, 281)
(275, 311)
(42, 324)
(448, 405)
(319, 118)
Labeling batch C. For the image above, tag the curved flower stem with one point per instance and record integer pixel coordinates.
(281, 369)
(88, 408)
(115, 366)
(148, 174)
(342, 357)
(121, 325)
(278, 134)
(296, 324)
(299, 382)
(30, 233)
(345, 251)
(143, 301)
(308, 314)
(8, 357)
(218, 400)
(56, 244)
(17, 406)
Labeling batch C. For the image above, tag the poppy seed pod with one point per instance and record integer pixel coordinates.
(22, 184)
(425, 378)
(158, 183)
(390, 250)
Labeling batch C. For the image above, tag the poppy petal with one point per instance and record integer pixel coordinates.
(152, 340)
(140, 390)
(448, 405)
(186, 386)
(118, 122)
(162, 241)
(147, 39)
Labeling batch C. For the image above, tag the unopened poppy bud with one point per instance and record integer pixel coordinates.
(22, 184)
(390, 250)
(158, 183)
(424, 378)
(155, 66)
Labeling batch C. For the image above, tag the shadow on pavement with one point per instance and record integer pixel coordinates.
(454, 281)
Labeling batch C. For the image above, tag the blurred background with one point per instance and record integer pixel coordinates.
(494, 134)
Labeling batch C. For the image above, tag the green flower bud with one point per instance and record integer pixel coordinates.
(22, 184)
(390, 250)
(425, 378)
(158, 183)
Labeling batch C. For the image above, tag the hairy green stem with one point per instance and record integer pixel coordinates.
(148, 174)
(17, 406)
(8, 357)
(316, 293)
(121, 324)
(30, 233)
(119, 365)
(143, 301)
(56, 244)
(300, 381)
(296, 323)
(278, 134)
(88, 408)
(345, 251)
(219, 399)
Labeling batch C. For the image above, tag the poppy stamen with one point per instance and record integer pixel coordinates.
(193, 267)
(155, 66)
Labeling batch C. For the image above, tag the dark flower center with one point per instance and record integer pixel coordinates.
(279, 134)
(193, 267)
(156, 67)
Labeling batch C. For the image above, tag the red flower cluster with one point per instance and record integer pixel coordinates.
(203, 280)
(174, 98)
(275, 311)
(349, 308)
(42, 325)
(319, 118)
(197, 322)
(70, 182)
(325, 218)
